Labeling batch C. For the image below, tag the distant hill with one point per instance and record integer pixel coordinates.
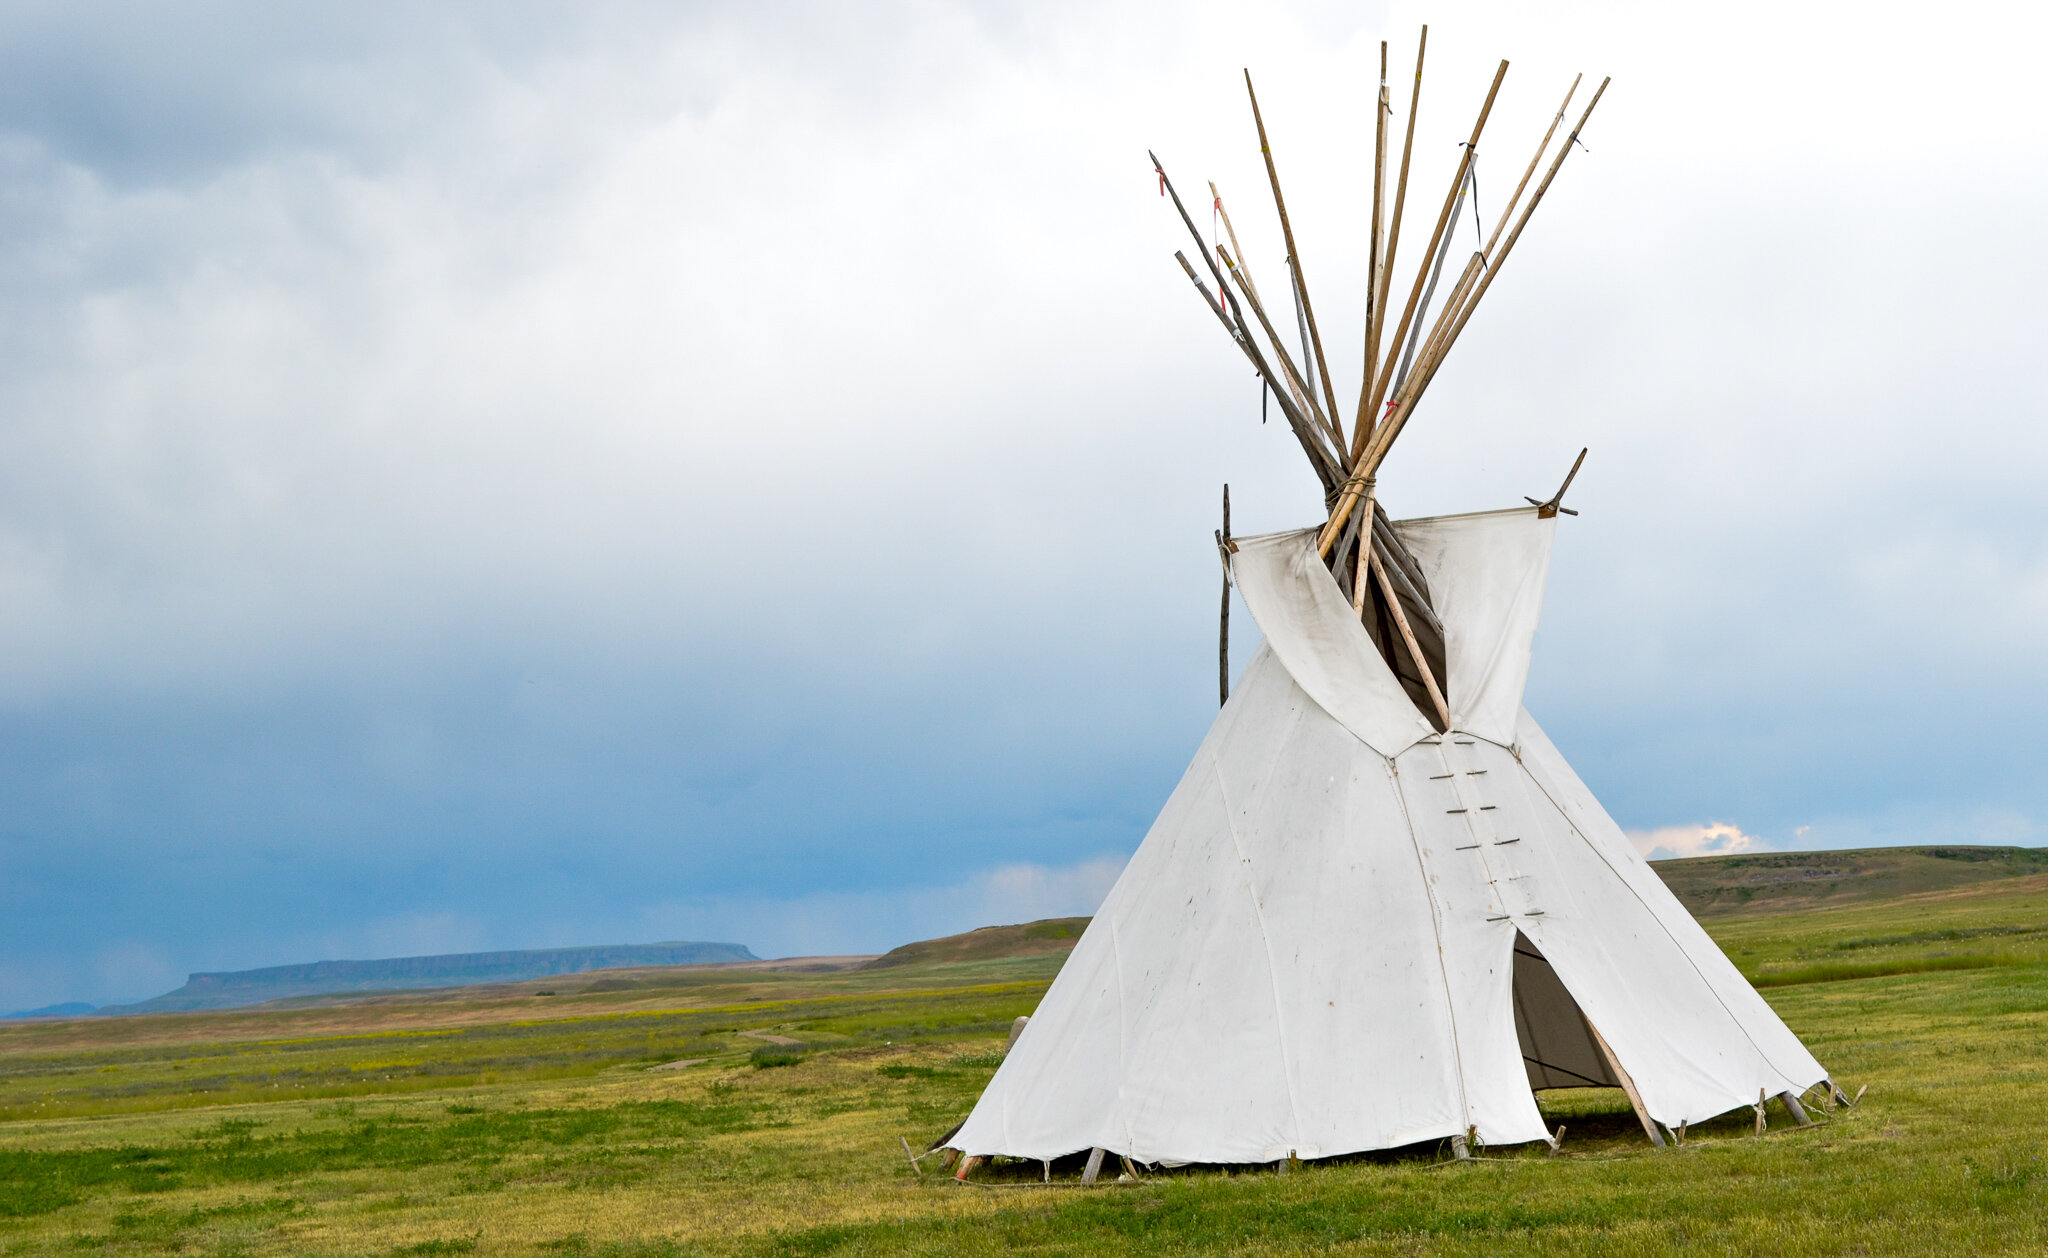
(1762, 882)
(69, 1009)
(231, 990)
(1709, 886)
(1054, 934)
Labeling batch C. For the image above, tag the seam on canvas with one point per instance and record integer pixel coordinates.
(1436, 928)
(1708, 983)
(1265, 940)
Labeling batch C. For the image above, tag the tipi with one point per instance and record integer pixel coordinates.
(1380, 908)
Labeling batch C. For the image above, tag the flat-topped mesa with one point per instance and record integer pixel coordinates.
(1369, 564)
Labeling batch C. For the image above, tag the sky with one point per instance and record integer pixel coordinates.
(515, 475)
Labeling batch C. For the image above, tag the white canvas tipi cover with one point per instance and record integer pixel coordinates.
(1348, 932)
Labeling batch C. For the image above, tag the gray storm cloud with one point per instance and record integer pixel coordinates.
(508, 476)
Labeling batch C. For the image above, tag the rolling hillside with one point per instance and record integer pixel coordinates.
(1716, 886)
(1708, 886)
(1711, 887)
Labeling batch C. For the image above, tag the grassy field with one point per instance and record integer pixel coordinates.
(507, 1121)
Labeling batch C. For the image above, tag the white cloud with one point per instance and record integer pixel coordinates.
(1709, 838)
(775, 359)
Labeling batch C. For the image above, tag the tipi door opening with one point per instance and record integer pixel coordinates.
(1560, 1048)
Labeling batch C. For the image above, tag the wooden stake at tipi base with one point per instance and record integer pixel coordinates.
(1380, 910)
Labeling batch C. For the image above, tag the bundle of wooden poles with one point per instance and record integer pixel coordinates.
(1370, 565)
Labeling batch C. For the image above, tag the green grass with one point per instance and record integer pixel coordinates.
(480, 1124)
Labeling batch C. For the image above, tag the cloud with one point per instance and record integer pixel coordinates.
(511, 473)
(1711, 838)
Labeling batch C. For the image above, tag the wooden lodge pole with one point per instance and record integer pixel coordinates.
(1319, 456)
(1231, 232)
(1189, 223)
(1215, 307)
(1507, 211)
(1368, 463)
(1322, 363)
(1223, 635)
(1453, 302)
(1426, 371)
(1348, 498)
(1473, 302)
(1379, 569)
(1242, 272)
(1364, 559)
(1373, 278)
(1468, 277)
(1308, 353)
(1628, 1085)
(1361, 428)
(1416, 338)
(1329, 467)
(1303, 390)
(1383, 376)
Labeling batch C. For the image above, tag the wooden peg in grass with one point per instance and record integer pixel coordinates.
(1794, 1108)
